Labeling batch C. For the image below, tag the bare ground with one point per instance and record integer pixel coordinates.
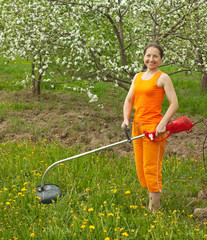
(70, 119)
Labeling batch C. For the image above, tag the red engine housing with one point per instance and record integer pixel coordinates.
(179, 125)
(175, 126)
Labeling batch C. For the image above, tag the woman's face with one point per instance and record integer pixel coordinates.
(152, 58)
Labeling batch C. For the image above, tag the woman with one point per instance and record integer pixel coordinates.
(146, 95)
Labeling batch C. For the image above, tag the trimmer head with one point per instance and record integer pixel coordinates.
(48, 193)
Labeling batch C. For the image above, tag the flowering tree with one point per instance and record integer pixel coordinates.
(98, 40)
(196, 38)
(182, 32)
(30, 31)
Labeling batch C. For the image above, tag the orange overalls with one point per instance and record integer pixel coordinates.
(148, 98)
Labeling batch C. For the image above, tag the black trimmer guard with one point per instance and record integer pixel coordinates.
(48, 193)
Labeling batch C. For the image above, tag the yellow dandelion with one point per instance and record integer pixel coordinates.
(134, 207)
(90, 210)
(8, 203)
(128, 192)
(125, 234)
(110, 214)
(32, 235)
(23, 189)
(91, 227)
(107, 238)
(83, 226)
(102, 214)
(105, 231)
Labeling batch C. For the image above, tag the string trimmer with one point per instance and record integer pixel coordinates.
(50, 192)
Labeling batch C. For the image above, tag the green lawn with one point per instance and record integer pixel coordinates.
(102, 198)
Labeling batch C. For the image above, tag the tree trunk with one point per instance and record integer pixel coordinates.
(204, 80)
(38, 89)
(33, 77)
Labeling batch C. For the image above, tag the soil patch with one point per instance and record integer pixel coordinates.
(70, 119)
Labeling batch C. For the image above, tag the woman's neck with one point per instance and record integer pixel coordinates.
(152, 71)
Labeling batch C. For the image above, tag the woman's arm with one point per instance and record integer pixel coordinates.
(128, 105)
(165, 82)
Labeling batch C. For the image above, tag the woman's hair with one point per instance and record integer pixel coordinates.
(155, 45)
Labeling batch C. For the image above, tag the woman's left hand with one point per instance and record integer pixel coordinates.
(160, 129)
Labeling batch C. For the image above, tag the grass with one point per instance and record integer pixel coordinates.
(102, 198)
(185, 85)
(12, 73)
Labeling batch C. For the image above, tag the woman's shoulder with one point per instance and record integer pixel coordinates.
(163, 79)
(137, 75)
(164, 75)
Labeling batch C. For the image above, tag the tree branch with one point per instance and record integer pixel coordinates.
(183, 70)
(70, 3)
(154, 20)
(173, 10)
(179, 21)
(119, 83)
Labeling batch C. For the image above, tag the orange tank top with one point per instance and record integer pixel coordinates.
(148, 98)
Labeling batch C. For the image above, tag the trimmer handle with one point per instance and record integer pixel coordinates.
(151, 135)
(175, 126)
(127, 132)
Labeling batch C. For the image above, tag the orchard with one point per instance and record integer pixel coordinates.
(84, 42)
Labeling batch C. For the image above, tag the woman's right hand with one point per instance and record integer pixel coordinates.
(125, 123)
